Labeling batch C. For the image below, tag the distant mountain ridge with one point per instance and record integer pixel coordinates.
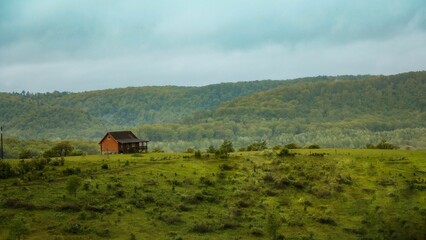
(274, 110)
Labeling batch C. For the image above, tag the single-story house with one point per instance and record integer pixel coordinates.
(122, 142)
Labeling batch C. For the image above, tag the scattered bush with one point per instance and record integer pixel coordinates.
(58, 162)
(285, 153)
(18, 229)
(257, 146)
(70, 207)
(6, 170)
(75, 228)
(197, 154)
(71, 171)
(211, 149)
(292, 146)
(384, 144)
(314, 146)
(226, 167)
(170, 219)
(231, 225)
(73, 184)
(203, 227)
(26, 154)
(16, 203)
(157, 150)
(189, 150)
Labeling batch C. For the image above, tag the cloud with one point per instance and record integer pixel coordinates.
(79, 45)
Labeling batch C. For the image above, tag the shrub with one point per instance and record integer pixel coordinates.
(71, 207)
(26, 153)
(226, 167)
(211, 149)
(257, 146)
(326, 220)
(170, 219)
(157, 150)
(203, 227)
(58, 162)
(189, 150)
(292, 146)
(314, 146)
(71, 171)
(206, 181)
(277, 147)
(73, 184)
(285, 153)
(17, 230)
(383, 145)
(105, 166)
(75, 228)
(197, 154)
(231, 225)
(6, 170)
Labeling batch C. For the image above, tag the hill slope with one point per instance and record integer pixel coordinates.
(375, 102)
(343, 111)
(90, 114)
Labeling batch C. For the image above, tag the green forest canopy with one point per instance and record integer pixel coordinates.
(342, 111)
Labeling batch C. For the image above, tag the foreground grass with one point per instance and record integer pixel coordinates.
(317, 194)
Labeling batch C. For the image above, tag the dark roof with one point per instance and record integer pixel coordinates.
(124, 137)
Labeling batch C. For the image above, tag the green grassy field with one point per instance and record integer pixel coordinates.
(316, 194)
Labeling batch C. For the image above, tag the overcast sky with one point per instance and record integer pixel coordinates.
(79, 45)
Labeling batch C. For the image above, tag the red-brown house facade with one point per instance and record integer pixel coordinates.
(122, 142)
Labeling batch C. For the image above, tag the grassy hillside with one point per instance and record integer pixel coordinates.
(316, 194)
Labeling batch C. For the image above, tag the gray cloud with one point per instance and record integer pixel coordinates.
(82, 45)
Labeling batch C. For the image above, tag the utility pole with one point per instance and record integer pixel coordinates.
(1, 137)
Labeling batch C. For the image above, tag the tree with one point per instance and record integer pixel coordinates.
(225, 149)
(211, 149)
(60, 149)
(227, 146)
(63, 148)
(26, 153)
(73, 184)
(386, 145)
(257, 146)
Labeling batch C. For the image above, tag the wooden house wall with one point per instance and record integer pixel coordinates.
(109, 145)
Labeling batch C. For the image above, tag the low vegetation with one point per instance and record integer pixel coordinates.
(267, 194)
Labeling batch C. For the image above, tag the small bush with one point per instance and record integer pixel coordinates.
(170, 219)
(226, 167)
(231, 225)
(70, 207)
(16, 203)
(314, 146)
(71, 171)
(203, 227)
(189, 150)
(105, 166)
(206, 181)
(285, 153)
(58, 162)
(73, 184)
(326, 220)
(6, 170)
(197, 154)
(292, 146)
(75, 228)
(120, 194)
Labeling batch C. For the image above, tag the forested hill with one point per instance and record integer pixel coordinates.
(372, 102)
(89, 114)
(346, 111)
